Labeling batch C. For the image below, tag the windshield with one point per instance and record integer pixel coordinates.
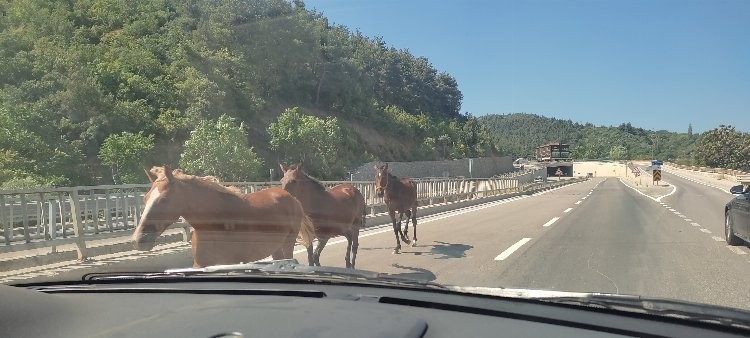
(582, 146)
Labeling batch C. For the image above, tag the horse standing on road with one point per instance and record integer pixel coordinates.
(229, 227)
(337, 211)
(400, 195)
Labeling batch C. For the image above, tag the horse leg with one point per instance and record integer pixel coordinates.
(404, 235)
(318, 249)
(355, 244)
(406, 227)
(409, 217)
(310, 257)
(396, 231)
(348, 249)
(286, 250)
(413, 215)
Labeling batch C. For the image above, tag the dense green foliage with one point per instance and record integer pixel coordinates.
(519, 134)
(219, 148)
(724, 147)
(126, 154)
(72, 73)
(315, 141)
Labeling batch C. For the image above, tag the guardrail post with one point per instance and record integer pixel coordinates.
(5, 222)
(187, 235)
(125, 209)
(25, 220)
(107, 211)
(75, 217)
(52, 224)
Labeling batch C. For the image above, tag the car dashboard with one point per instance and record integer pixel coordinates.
(308, 308)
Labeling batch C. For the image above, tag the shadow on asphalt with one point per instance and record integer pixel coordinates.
(414, 273)
(448, 250)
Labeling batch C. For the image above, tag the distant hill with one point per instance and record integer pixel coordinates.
(74, 73)
(518, 134)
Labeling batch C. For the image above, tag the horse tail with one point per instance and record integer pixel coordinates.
(363, 204)
(363, 220)
(306, 231)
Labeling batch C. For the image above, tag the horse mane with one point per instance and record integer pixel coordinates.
(209, 182)
(316, 182)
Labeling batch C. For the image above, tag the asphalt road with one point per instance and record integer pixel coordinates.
(598, 236)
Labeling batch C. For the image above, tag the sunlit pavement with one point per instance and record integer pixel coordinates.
(599, 235)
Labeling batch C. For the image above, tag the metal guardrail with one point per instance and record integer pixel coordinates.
(732, 172)
(35, 218)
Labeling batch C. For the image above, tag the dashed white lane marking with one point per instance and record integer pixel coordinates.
(579, 202)
(688, 220)
(550, 222)
(705, 230)
(568, 210)
(695, 224)
(435, 217)
(682, 216)
(584, 197)
(717, 238)
(737, 250)
(512, 249)
(186, 246)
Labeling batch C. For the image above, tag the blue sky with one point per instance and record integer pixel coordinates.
(659, 64)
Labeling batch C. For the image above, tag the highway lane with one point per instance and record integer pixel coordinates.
(615, 240)
(701, 204)
(178, 255)
(600, 236)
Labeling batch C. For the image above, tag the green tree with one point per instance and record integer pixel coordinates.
(724, 147)
(618, 153)
(126, 154)
(305, 138)
(219, 148)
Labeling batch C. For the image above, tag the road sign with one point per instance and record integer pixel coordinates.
(657, 175)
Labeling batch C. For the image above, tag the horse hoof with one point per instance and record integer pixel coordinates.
(396, 251)
(414, 243)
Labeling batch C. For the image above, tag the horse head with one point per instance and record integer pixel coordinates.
(381, 179)
(163, 206)
(292, 175)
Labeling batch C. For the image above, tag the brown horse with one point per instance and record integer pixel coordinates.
(337, 211)
(229, 227)
(400, 195)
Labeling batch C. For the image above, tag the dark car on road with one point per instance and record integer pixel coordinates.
(737, 216)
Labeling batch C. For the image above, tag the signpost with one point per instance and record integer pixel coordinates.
(657, 176)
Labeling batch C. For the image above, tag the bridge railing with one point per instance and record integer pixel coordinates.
(34, 218)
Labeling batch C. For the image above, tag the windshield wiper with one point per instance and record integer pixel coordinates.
(704, 313)
(664, 307)
(281, 268)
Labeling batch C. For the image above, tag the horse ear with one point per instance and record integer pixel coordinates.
(168, 173)
(281, 166)
(385, 166)
(151, 176)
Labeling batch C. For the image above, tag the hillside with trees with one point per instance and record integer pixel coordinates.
(91, 91)
(518, 135)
